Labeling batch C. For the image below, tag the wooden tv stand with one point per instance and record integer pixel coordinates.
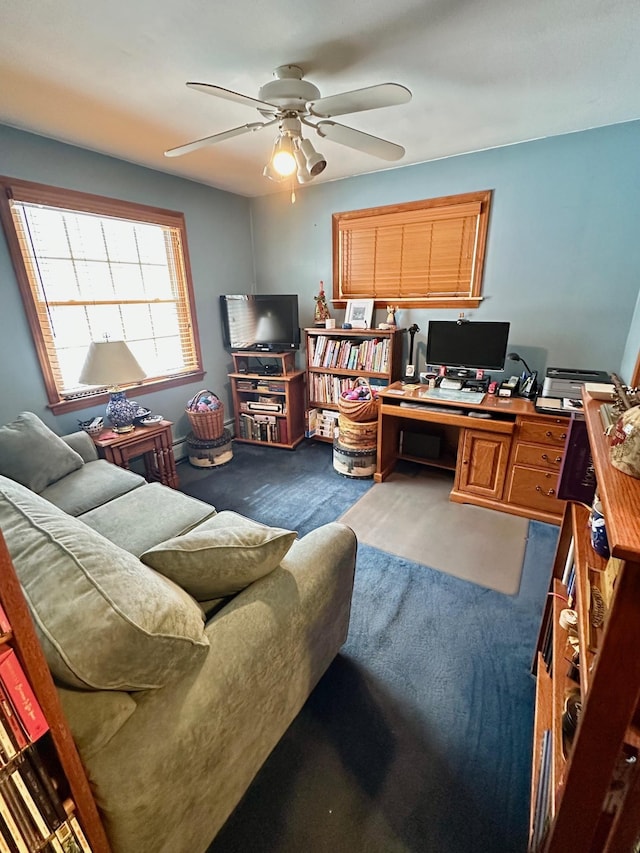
(505, 454)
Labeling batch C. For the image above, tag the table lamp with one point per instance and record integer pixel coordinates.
(112, 363)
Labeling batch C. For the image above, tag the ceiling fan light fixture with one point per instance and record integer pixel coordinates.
(302, 173)
(316, 163)
(270, 172)
(283, 159)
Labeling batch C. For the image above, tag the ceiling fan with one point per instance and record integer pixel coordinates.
(291, 102)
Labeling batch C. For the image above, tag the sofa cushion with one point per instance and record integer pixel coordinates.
(93, 485)
(222, 556)
(34, 455)
(95, 716)
(105, 620)
(159, 512)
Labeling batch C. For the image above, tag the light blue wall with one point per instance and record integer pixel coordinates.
(563, 253)
(562, 259)
(632, 347)
(219, 238)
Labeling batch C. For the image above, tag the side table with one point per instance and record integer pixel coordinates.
(153, 443)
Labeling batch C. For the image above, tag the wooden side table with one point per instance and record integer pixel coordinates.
(153, 443)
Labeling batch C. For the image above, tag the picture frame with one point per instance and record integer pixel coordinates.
(359, 313)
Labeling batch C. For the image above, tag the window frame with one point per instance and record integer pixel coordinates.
(74, 200)
(399, 212)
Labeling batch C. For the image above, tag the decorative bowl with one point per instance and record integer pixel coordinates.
(93, 426)
(150, 420)
(142, 412)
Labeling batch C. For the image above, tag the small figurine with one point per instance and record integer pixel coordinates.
(322, 311)
(391, 315)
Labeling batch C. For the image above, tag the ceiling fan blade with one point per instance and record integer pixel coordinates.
(228, 95)
(369, 98)
(359, 140)
(217, 137)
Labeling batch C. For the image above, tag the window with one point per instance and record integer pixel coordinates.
(424, 254)
(92, 268)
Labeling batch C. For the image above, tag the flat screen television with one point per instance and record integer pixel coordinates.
(467, 345)
(260, 322)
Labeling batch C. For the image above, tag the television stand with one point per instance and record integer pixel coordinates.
(268, 398)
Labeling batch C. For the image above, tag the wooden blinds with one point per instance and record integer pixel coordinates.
(422, 253)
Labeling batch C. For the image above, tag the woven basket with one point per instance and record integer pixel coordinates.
(359, 410)
(207, 425)
(356, 434)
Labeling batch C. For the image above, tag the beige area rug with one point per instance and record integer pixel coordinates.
(412, 517)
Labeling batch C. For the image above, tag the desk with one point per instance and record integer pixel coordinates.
(153, 443)
(509, 460)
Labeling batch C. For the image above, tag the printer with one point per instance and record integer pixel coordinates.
(564, 382)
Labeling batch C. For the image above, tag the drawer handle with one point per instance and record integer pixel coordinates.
(549, 493)
(546, 458)
(549, 434)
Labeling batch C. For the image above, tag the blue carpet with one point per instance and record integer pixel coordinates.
(418, 737)
(297, 489)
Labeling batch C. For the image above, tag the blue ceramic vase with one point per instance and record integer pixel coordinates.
(121, 411)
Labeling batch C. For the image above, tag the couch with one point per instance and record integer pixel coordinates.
(182, 641)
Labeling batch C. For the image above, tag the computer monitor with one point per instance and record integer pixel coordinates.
(462, 344)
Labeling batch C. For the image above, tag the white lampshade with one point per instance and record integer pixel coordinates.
(110, 363)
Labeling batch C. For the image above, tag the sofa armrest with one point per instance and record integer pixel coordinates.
(83, 444)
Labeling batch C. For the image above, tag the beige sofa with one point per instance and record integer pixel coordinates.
(183, 641)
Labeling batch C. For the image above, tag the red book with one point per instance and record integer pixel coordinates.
(21, 695)
(10, 717)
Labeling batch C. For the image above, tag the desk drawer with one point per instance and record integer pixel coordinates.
(543, 432)
(534, 488)
(538, 456)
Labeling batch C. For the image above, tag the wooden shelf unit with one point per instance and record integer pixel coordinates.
(595, 795)
(283, 417)
(25, 642)
(326, 380)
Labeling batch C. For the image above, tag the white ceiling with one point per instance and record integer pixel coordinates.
(109, 75)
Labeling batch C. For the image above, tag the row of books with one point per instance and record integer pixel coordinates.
(371, 355)
(327, 387)
(321, 423)
(543, 801)
(263, 428)
(33, 816)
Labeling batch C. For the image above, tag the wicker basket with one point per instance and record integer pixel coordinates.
(356, 434)
(207, 425)
(359, 410)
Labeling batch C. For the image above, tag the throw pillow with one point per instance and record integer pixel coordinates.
(34, 455)
(104, 620)
(221, 556)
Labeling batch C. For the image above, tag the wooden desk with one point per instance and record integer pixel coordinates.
(508, 461)
(153, 443)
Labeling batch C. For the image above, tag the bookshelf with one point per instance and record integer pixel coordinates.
(54, 751)
(268, 399)
(336, 358)
(593, 794)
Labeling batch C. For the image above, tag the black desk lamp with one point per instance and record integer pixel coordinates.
(530, 385)
(515, 357)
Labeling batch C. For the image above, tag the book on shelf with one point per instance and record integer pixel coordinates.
(542, 812)
(41, 788)
(10, 721)
(9, 827)
(21, 695)
(23, 827)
